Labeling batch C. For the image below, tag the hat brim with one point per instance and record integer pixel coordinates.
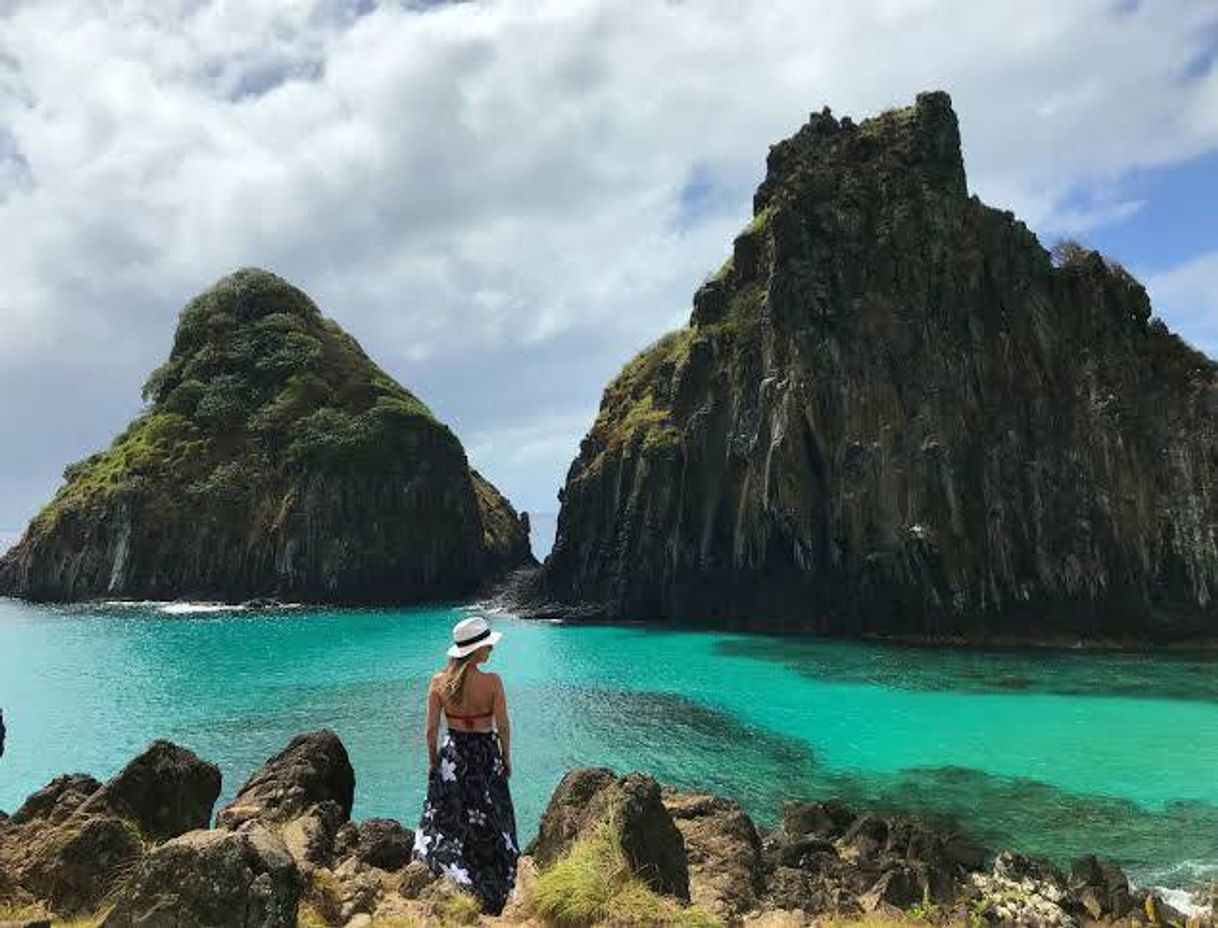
(461, 650)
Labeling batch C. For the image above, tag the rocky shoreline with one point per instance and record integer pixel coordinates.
(142, 849)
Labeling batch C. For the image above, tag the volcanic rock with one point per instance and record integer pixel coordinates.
(274, 461)
(893, 412)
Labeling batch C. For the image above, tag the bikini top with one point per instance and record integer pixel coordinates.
(469, 718)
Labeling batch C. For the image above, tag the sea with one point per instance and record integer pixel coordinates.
(1057, 753)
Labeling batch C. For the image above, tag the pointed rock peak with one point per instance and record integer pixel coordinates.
(921, 140)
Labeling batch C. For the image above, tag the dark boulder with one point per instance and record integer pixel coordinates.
(823, 819)
(209, 878)
(313, 769)
(166, 791)
(632, 806)
(1100, 886)
(384, 843)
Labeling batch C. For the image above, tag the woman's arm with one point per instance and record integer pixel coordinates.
(504, 725)
(432, 730)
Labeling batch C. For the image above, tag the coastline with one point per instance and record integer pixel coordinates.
(822, 858)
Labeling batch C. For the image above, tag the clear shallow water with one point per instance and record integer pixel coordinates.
(1055, 753)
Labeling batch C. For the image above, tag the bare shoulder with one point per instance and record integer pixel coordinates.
(493, 679)
(436, 679)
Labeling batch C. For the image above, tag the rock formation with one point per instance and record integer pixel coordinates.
(274, 459)
(138, 851)
(75, 840)
(894, 413)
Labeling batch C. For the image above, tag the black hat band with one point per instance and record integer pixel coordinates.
(478, 637)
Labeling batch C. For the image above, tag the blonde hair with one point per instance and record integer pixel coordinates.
(455, 673)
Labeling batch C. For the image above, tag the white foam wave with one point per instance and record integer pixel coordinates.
(1179, 899)
(192, 608)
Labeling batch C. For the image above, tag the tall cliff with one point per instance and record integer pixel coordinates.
(893, 412)
(274, 459)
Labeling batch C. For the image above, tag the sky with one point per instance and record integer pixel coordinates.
(505, 200)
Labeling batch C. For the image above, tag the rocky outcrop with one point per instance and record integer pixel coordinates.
(205, 878)
(894, 413)
(275, 460)
(633, 808)
(304, 794)
(723, 852)
(69, 851)
(72, 842)
(166, 791)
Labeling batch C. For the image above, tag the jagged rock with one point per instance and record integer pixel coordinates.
(823, 819)
(898, 887)
(723, 852)
(275, 461)
(166, 791)
(310, 837)
(346, 840)
(57, 800)
(359, 888)
(313, 769)
(1019, 867)
(1022, 892)
(1100, 886)
(73, 865)
(415, 877)
(384, 843)
(207, 878)
(75, 839)
(822, 884)
(633, 806)
(892, 414)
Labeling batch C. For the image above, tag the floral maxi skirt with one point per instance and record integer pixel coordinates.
(467, 832)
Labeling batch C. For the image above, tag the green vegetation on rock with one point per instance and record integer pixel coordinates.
(268, 437)
(592, 884)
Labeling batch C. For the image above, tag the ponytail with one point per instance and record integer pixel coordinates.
(453, 683)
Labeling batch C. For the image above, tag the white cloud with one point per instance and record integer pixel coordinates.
(1186, 298)
(497, 179)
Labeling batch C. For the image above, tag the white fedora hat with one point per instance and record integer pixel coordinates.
(471, 634)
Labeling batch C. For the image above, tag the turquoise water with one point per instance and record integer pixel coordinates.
(1057, 753)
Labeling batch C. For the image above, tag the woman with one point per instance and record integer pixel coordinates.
(468, 828)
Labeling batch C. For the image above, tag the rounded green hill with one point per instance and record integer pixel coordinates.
(274, 458)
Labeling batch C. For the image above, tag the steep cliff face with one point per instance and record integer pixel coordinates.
(893, 413)
(274, 459)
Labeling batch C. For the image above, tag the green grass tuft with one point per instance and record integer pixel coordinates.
(593, 884)
(460, 909)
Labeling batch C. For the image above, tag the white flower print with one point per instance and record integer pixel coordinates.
(456, 874)
(508, 844)
(448, 770)
(421, 842)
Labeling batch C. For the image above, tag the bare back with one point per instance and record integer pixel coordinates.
(478, 704)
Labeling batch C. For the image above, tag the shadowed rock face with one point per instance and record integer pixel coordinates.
(891, 413)
(274, 459)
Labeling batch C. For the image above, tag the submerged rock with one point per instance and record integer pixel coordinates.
(892, 413)
(274, 461)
